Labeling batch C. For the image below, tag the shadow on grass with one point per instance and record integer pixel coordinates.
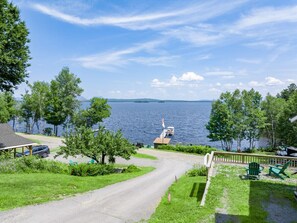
(198, 190)
(268, 202)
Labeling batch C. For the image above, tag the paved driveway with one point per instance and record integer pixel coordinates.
(129, 201)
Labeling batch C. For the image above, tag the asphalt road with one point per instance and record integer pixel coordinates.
(129, 201)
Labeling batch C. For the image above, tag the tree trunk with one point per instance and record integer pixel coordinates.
(103, 158)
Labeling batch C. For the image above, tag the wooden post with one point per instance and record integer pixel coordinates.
(22, 150)
(30, 149)
(14, 152)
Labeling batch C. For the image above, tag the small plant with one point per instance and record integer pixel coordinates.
(196, 149)
(197, 171)
(131, 169)
(84, 169)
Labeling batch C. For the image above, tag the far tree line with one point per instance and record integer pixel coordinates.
(245, 115)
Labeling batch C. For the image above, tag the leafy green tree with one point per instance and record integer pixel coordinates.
(286, 93)
(286, 130)
(98, 110)
(97, 146)
(273, 108)
(14, 50)
(33, 104)
(8, 109)
(26, 111)
(4, 112)
(61, 100)
(255, 119)
(220, 125)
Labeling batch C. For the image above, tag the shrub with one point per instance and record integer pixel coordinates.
(196, 149)
(84, 169)
(197, 171)
(32, 164)
(131, 169)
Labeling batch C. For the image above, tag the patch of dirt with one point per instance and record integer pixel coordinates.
(222, 213)
(280, 210)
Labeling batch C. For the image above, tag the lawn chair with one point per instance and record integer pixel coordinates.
(72, 163)
(253, 170)
(279, 169)
(91, 161)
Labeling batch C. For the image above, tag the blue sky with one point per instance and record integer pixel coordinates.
(188, 50)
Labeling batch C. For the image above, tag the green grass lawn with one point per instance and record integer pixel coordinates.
(25, 189)
(229, 199)
(144, 156)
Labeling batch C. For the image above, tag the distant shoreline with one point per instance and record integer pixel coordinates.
(150, 100)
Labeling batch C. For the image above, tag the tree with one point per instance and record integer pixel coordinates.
(26, 111)
(14, 51)
(98, 110)
(286, 93)
(273, 108)
(4, 113)
(33, 104)
(286, 130)
(61, 100)
(97, 146)
(8, 110)
(220, 125)
(254, 117)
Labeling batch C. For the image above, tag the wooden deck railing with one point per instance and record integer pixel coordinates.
(244, 158)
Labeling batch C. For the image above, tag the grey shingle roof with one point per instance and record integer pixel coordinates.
(8, 139)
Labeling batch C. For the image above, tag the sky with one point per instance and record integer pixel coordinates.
(188, 50)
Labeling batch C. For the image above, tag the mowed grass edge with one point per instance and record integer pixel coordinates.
(229, 199)
(19, 190)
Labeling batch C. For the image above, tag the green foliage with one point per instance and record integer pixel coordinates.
(14, 50)
(85, 169)
(98, 110)
(97, 146)
(236, 116)
(287, 131)
(288, 92)
(61, 100)
(131, 169)
(196, 149)
(273, 108)
(197, 171)
(32, 164)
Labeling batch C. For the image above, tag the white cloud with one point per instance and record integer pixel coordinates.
(272, 81)
(191, 76)
(189, 79)
(114, 59)
(173, 15)
(268, 16)
(248, 61)
(255, 84)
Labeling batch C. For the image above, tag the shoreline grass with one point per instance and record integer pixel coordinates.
(19, 190)
(144, 156)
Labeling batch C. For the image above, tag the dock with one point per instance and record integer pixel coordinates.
(161, 141)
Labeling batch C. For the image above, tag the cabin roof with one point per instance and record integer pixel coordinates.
(10, 140)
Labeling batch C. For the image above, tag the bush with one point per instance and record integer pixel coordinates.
(84, 169)
(32, 164)
(197, 171)
(131, 169)
(196, 149)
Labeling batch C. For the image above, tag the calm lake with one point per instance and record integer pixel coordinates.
(142, 122)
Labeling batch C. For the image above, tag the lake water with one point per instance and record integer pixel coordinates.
(142, 122)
